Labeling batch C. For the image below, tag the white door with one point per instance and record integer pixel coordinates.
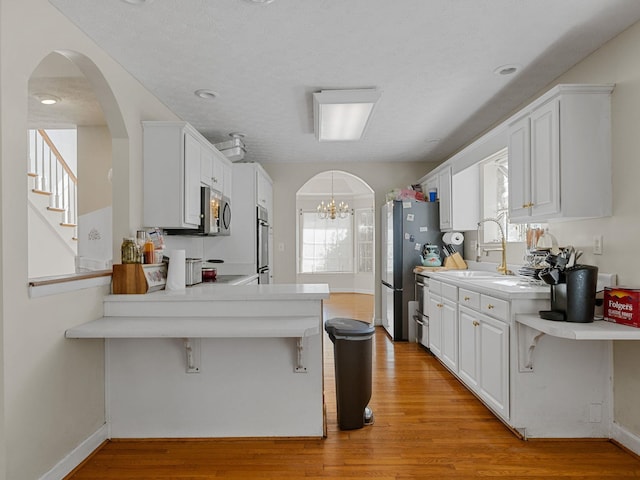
(494, 364)
(449, 326)
(191, 180)
(545, 159)
(444, 195)
(469, 335)
(519, 169)
(435, 325)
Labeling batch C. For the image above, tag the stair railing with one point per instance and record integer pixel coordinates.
(53, 177)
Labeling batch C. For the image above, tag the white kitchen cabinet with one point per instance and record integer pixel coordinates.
(469, 360)
(264, 190)
(560, 155)
(449, 313)
(219, 165)
(444, 196)
(484, 358)
(458, 196)
(443, 323)
(239, 250)
(172, 171)
(435, 324)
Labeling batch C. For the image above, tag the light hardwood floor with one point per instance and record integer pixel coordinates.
(427, 426)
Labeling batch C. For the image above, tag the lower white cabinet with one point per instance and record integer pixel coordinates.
(443, 329)
(484, 358)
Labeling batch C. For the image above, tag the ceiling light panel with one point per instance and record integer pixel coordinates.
(343, 115)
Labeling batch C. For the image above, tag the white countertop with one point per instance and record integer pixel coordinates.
(205, 292)
(507, 287)
(211, 311)
(597, 330)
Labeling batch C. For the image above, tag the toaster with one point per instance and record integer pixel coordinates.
(193, 274)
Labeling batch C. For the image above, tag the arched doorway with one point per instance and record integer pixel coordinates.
(338, 251)
(70, 194)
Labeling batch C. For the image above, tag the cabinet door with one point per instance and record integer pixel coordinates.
(206, 166)
(217, 177)
(444, 195)
(227, 180)
(191, 180)
(494, 364)
(449, 324)
(545, 160)
(435, 325)
(519, 169)
(469, 348)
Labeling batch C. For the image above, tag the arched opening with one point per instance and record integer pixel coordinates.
(71, 155)
(338, 251)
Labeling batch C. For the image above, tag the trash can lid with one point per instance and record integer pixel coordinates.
(348, 327)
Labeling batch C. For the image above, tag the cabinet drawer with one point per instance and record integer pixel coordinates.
(449, 291)
(469, 299)
(495, 307)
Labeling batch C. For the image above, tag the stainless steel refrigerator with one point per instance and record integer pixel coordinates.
(406, 226)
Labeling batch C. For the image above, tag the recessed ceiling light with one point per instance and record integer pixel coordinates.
(46, 99)
(506, 69)
(262, 1)
(206, 94)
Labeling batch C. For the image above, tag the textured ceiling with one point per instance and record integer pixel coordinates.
(433, 60)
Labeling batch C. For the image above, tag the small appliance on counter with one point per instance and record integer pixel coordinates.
(193, 272)
(573, 288)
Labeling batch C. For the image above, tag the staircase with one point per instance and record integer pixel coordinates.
(52, 215)
(54, 180)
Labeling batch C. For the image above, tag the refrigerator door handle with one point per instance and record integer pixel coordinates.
(386, 284)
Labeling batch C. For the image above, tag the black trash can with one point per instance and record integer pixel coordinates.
(352, 354)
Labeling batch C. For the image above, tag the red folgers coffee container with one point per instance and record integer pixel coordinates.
(622, 305)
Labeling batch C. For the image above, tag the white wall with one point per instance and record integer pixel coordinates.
(52, 389)
(287, 180)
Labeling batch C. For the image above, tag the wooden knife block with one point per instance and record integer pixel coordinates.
(135, 278)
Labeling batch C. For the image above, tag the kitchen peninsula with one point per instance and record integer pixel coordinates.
(213, 361)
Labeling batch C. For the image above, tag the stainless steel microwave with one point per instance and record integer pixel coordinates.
(215, 215)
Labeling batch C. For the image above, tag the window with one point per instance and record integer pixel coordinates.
(364, 240)
(495, 200)
(326, 245)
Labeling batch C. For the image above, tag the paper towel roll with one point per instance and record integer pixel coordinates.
(177, 270)
(453, 238)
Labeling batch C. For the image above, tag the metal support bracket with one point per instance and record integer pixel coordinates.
(192, 352)
(527, 341)
(300, 368)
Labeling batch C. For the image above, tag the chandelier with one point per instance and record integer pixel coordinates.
(331, 210)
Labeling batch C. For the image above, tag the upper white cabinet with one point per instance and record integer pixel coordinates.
(444, 196)
(560, 155)
(177, 161)
(250, 184)
(459, 197)
(171, 171)
(264, 190)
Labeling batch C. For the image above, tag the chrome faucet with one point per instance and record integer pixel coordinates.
(502, 268)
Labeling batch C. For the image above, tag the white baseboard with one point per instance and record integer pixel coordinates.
(77, 455)
(625, 437)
